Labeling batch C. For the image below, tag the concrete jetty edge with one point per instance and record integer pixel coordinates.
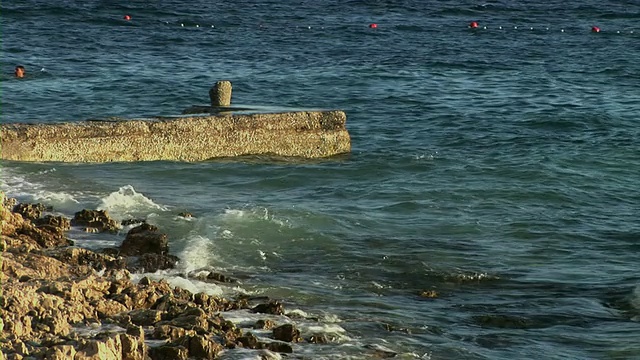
(305, 134)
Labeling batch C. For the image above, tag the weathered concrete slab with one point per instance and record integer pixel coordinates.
(307, 134)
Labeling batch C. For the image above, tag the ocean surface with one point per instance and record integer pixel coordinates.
(497, 166)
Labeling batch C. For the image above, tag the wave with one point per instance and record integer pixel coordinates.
(126, 202)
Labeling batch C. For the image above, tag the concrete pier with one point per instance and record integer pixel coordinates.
(305, 134)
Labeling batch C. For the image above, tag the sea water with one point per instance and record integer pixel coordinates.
(497, 166)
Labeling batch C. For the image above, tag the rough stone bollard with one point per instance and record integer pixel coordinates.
(220, 93)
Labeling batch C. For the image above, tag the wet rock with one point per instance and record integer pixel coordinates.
(287, 332)
(98, 219)
(279, 347)
(144, 239)
(502, 321)
(169, 352)
(128, 222)
(265, 324)
(30, 211)
(220, 278)
(153, 262)
(248, 341)
(273, 307)
(318, 339)
(429, 294)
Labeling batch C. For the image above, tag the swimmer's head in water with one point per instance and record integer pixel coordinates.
(19, 71)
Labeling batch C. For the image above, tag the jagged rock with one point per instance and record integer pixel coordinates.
(55, 221)
(102, 347)
(170, 332)
(133, 345)
(192, 318)
(128, 222)
(273, 307)
(279, 347)
(145, 317)
(200, 347)
(153, 262)
(7, 203)
(61, 352)
(98, 219)
(107, 308)
(45, 236)
(80, 256)
(264, 324)
(429, 294)
(144, 239)
(220, 278)
(248, 341)
(30, 211)
(169, 352)
(287, 332)
(318, 339)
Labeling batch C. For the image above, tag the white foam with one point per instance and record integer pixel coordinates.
(194, 286)
(126, 202)
(60, 201)
(196, 253)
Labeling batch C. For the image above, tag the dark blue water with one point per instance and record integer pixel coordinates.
(498, 166)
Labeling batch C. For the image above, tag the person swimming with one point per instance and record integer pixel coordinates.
(19, 71)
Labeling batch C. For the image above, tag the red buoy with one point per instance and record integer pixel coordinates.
(473, 24)
(595, 29)
(127, 17)
(373, 26)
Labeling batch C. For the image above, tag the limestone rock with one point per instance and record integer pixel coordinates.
(145, 317)
(279, 347)
(169, 352)
(144, 239)
(264, 324)
(200, 347)
(248, 341)
(273, 307)
(151, 262)
(30, 211)
(98, 219)
(170, 332)
(287, 332)
(133, 345)
(61, 352)
(54, 221)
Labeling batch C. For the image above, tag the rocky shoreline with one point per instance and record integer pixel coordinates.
(64, 302)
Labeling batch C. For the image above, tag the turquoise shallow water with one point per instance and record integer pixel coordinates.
(499, 167)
